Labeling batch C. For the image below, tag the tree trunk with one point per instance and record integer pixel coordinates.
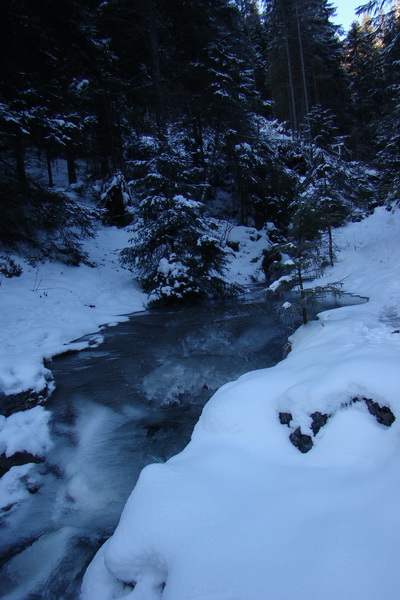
(103, 133)
(303, 68)
(49, 167)
(302, 296)
(71, 166)
(330, 245)
(155, 71)
(197, 132)
(20, 162)
(211, 164)
(292, 98)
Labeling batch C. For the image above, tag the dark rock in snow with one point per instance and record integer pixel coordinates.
(285, 418)
(301, 441)
(23, 401)
(16, 460)
(233, 245)
(318, 421)
(382, 414)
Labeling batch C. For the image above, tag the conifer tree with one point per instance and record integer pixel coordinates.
(304, 60)
(389, 124)
(173, 251)
(385, 123)
(365, 76)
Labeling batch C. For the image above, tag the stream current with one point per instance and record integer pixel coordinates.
(130, 401)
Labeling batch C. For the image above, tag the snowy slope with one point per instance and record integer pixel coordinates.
(241, 514)
(51, 304)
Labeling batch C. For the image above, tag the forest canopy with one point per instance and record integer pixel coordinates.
(258, 112)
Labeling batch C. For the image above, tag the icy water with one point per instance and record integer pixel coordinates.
(130, 401)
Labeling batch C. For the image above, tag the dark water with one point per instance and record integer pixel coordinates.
(130, 401)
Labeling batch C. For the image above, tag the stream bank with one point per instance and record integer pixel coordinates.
(118, 406)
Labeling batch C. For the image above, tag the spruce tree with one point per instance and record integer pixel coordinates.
(304, 66)
(365, 76)
(173, 250)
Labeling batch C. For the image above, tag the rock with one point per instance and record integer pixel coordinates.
(16, 460)
(382, 414)
(285, 418)
(318, 421)
(233, 245)
(301, 441)
(271, 262)
(23, 401)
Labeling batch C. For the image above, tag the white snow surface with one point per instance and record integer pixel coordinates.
(245, 264)
(51, 304)
(241, 514)
(25, 431)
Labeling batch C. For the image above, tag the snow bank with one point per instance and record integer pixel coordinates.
(51, 304)
(241, 513)
(25, 431)
(41, 313)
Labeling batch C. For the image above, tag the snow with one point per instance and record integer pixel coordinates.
(245, 265)
(187, 202)
(14, 485)
(42, 313)
(164, 267)
(25, 431)
(276, 284)
(82, 84)
(51, 304)
(241, 513)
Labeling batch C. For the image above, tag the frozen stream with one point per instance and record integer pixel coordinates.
(130, 401)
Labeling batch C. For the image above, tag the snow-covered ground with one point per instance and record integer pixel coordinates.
(51, 304)
(241, 513)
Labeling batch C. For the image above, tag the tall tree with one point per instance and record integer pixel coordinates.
(365, 75)
(389, 124)
(304, 66)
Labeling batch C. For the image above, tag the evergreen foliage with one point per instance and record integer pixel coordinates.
(388, 128)
(333, 188)
(365, 76)
(173, 105)
(304, 67)
(43, 223)
(8, 267)
(174, 253)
